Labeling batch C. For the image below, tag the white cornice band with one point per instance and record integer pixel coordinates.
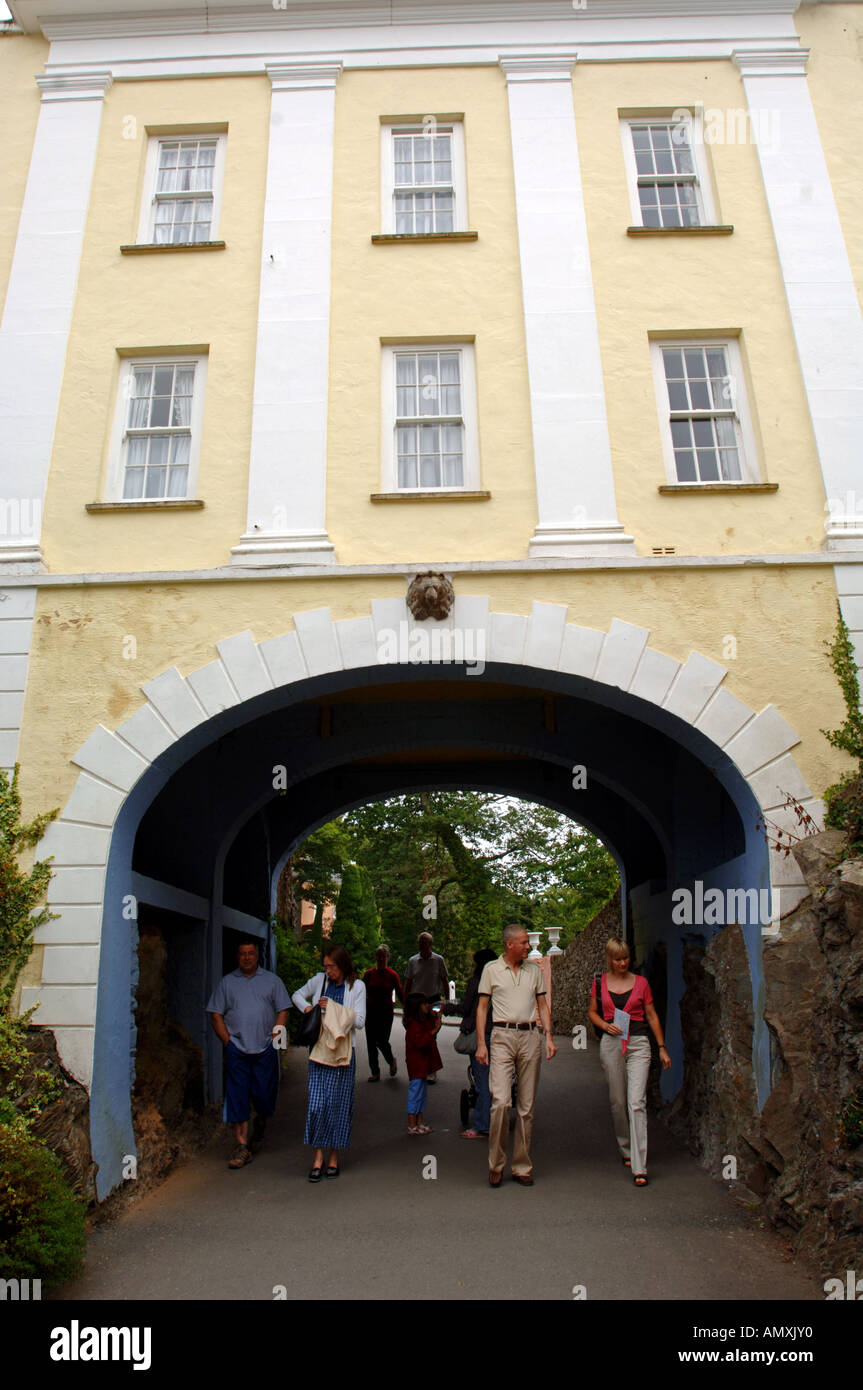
(305, 77)
(536, 67)
(771, 62)
(76, 86)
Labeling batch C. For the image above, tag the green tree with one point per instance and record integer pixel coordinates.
(844, 799)
(356, 924)
(41, 1221)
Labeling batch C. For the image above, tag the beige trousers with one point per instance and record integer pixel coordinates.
(627, 1088)
(512, 1050)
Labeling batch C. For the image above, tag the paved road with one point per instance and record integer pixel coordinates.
(211, 1233)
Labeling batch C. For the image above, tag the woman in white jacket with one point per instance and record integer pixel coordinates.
(330, 1114)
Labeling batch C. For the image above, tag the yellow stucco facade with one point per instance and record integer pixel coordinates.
(573, 522)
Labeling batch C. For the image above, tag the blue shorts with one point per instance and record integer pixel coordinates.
(250, 1076)
(417, 1092)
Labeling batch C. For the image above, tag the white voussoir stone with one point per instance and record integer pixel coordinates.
(317, 633)
(74, 884)
(695, 684)
(17, 603)
(507, 637)
(93, 802)
(771, 784)
(148, 734)
(75, 845)
(356, 638)
(653, 676)
(580, 650)
(765, 737)
(387, 614)
(242, 661)
(545, 635)
(11, 706)
(70, 965)
(213, 689)
(106, 756)
(13, 672)
(621, 653)
(73, 925)
(60, 1004)
(175, 702)
(15, 634)
(283, 659)
(723, 716)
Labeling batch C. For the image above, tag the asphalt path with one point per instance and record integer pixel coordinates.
(421, 1222)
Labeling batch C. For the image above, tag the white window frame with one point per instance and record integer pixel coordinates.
(470, 428)
(692, 123)
(116, 475)
(738, 409)
(449, 125)
(151, 199)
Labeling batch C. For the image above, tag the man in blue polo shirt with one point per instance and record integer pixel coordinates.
(248, 1009)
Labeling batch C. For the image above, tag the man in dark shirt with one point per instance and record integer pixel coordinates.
(380, 984)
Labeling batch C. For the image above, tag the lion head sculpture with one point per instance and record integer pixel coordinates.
(430, 596)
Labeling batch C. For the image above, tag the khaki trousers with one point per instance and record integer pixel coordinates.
(627, 1087)
(512, 1050)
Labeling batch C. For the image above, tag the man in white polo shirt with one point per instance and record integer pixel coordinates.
(517, 987)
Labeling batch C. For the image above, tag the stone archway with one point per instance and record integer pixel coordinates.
(690, 729)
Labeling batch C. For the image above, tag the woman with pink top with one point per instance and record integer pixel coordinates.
(626, 1061)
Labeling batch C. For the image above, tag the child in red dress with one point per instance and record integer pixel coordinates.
(421, 1053)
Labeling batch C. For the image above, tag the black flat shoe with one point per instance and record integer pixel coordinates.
(315, 1174)
(333, 1170)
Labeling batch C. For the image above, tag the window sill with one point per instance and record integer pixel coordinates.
(146, 248)
(720, 229)
(718, 487)
(430, 496)
(385, 238)
(166, 504)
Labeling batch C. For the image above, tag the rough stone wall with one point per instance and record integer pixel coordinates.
(573, 972)
(65, 1124)
(167, 1102)
(793, 1158)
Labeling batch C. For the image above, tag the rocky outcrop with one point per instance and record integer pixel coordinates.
(801, 1158)
(64, 1125)
(168, 1099)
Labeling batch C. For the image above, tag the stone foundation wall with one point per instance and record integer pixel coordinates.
(796, 1159)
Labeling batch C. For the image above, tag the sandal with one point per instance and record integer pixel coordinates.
(240, 1157)
(333, 1170)
(640, 1179)
(470, 1134)
(424, 1129)
(412, 1129)
(315, 1174)
(627, 1162)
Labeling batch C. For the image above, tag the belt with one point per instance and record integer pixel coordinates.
(523, 1026)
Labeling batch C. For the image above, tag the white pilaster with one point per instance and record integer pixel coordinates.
(287, 469)
(39, 302)
(572, 452)
(825, 313)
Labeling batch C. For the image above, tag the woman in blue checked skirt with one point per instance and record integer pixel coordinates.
(330, 1113)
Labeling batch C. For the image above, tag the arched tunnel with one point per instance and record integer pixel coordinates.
(205, 833)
